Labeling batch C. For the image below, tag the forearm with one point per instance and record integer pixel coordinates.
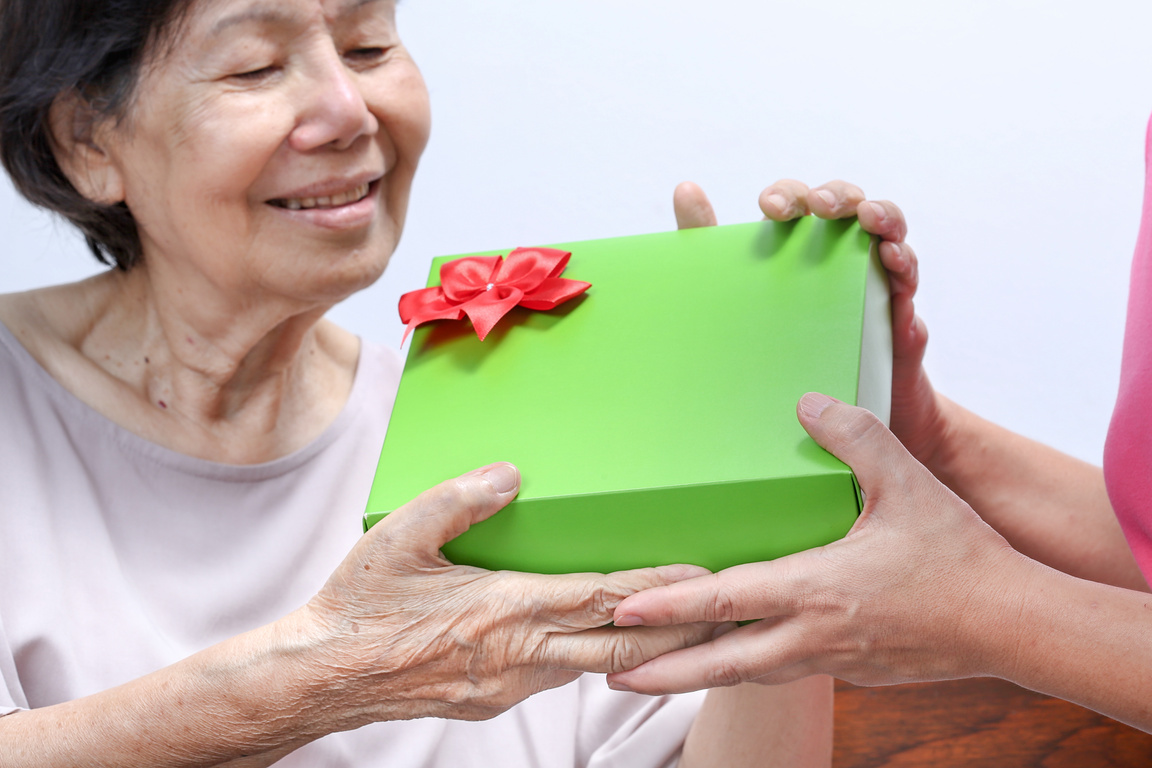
(248, 700)
(1081, 641)
(1048, 505)
(763, 725)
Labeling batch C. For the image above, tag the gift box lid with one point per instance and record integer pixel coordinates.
(653, 418)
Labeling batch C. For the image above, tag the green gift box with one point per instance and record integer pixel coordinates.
(653, 418)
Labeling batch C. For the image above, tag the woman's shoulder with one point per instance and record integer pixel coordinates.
(50, 323)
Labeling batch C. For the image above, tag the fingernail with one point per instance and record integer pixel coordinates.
(628, 620)
(896, 255)
(878, 210)
(502, 477)
(828, 198)
(779, 201)
(814, 403)
(724, 629)
(619, 687)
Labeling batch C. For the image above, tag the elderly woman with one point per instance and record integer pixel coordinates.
(186, 442)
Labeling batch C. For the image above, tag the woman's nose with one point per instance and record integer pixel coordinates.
(333, 110)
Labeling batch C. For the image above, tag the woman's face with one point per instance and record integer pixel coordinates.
(270, 148)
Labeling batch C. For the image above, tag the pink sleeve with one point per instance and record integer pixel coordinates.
(1128, 450)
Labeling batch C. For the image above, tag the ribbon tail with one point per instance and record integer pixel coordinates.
(408, 330)
(451, 313)
(553, 292)
(425, 305)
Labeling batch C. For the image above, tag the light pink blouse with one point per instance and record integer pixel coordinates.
(118, 557)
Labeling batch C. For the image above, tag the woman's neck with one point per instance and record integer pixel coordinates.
(243, 381)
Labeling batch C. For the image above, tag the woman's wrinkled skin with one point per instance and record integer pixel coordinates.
(415, 636)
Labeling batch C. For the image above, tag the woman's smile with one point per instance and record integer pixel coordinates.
(351, 208)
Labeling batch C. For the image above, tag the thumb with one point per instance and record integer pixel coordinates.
(442, 513)
(856, 437)
(692, 207)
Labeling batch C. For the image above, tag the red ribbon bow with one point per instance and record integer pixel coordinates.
(485, 288)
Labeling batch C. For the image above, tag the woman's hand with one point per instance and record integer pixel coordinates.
(916, 410)
(407, 634)
(920, 588)
(396, 633)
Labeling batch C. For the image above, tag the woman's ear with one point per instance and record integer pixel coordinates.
(79, 137)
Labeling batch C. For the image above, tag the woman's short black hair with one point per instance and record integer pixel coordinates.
(93, 49)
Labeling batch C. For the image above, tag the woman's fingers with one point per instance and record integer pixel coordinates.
(785, 200)
(692, 207)
(835, 200)
(422, 526)
(764, 648)
(735, 594)
(581, 601)
(903, 268)
(612, 649)
(882, 218)
(886, 221)
(859, 439)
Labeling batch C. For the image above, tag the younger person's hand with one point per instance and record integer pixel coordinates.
(920, 588)
(916, 410)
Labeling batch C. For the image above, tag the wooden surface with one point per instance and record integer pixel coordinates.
(977, 723)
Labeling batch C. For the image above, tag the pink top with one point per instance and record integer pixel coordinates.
(1128, 451)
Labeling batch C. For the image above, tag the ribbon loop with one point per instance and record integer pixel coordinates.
(462, 279)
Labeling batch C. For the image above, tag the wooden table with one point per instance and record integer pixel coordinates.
(980, 722)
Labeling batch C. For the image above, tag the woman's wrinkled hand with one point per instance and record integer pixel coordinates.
(920, 588)
(407, 634)
(916, 410)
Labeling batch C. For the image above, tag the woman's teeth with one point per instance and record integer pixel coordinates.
(304, 203)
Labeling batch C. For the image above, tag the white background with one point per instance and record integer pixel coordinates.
(1010, 131)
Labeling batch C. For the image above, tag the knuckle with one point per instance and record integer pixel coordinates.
(604, 596)
(855, 425)
(463, 493)
(627, 652)
(720, 606)
(725, 673)
(845, 189)
(895, 217)
(439, 497)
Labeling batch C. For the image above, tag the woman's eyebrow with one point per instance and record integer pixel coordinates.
(272, 14)
(268, 14)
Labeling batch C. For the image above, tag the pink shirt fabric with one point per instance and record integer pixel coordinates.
(119, 557)
(1128, 450)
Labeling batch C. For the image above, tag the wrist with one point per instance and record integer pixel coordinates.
(346, 675)
(306, 667)
(996, 621)
(952, 441)
(267, 686)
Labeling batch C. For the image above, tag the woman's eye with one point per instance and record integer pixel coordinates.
(367, 55)
(255, 74)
